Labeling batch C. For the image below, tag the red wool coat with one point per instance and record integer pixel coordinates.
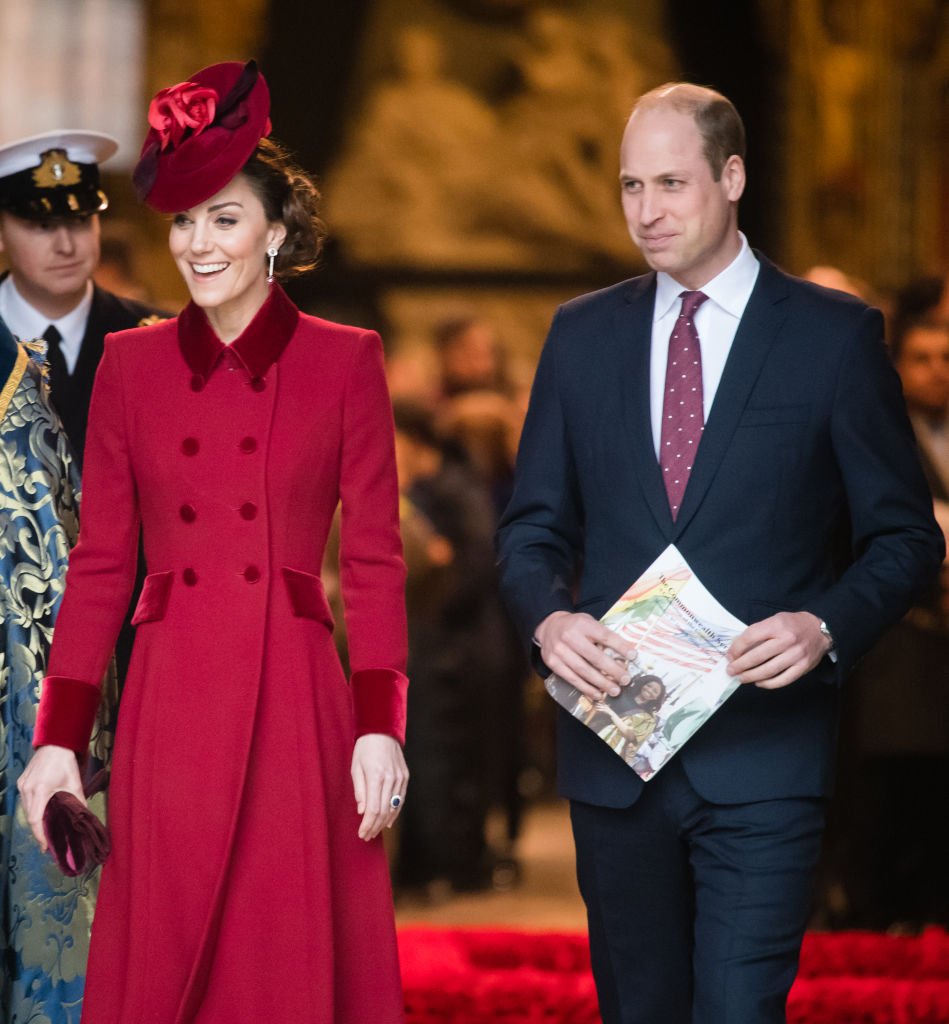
(237, 889)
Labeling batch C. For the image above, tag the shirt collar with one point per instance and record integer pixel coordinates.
(729, 290)
(258, 347)
(28, 323)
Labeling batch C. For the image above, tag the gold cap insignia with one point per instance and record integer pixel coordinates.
(56, 170)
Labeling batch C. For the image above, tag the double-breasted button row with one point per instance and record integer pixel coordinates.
(247, 511)
(252, 574)
(191, 445)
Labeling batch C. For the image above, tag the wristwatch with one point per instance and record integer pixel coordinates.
(825, 631)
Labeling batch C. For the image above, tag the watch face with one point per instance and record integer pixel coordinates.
(830, 636)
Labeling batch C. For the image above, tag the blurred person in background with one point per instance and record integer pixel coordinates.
(50, 237)
(460, 662)
(886, 852)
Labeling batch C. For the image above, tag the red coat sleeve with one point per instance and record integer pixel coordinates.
(101, 570)
(372, 572)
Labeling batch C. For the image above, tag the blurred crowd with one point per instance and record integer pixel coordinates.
(886, 847)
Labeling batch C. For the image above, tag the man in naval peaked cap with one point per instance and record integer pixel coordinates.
(50, 201)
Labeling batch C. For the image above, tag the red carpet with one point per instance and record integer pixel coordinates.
(470, 976)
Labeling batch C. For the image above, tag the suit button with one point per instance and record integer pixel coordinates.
(188, 513)
(258, 384)
(190, 577)
(190, 446)
(197, 382)
(248, 510)
(248, 445)
(252, 574)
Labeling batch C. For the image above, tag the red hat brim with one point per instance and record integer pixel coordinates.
(201, 165)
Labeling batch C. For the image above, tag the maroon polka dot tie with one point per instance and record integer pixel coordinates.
(683, 418)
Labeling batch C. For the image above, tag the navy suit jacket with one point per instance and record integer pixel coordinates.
(806, 494)
(107, 314)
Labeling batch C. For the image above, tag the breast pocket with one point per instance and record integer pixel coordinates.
(307, 597)
(153, 601)
(774, 415)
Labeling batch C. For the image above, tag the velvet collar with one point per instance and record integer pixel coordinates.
(258, 347)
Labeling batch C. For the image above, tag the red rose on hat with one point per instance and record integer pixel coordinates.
(201, 133)
(181, 107)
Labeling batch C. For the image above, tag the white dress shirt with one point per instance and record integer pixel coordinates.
(716, 322)
(28, 323)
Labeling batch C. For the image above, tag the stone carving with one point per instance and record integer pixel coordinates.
(433, 175)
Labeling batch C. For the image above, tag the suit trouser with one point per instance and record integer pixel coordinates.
(696, 910)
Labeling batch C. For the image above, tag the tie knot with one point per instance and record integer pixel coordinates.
(691, 302)
(52, 337)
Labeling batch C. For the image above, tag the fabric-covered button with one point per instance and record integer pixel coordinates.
(248, 445)
(197, 382)
(189, 576)
(190, 446)
(188, 513)
(258, 384)
(248, 510)
(252, 574)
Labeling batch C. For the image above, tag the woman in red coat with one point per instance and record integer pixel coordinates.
(247, 880)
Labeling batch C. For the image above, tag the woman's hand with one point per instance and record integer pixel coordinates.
(50, 770)
(379, 773)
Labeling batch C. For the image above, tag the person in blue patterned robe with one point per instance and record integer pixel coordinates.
(45, 918)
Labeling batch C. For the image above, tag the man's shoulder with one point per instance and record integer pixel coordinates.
(778, 284)
(111, 312)
(611, 297)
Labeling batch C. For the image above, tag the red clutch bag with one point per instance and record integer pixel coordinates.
(77, 839)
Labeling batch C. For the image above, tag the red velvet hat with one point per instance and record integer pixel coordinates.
(202, 133)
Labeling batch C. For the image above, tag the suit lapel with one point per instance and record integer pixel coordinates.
(93, 340)
(634, 331)
(759, 327)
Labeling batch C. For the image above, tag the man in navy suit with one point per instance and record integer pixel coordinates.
(781, 463)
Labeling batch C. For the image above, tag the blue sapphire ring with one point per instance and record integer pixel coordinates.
(396, 802)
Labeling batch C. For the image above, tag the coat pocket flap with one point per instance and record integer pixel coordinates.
(307, 597)
(153, 601)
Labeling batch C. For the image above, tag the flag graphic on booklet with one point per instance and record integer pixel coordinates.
(678, 674)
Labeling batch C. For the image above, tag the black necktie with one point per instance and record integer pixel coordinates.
(58, 373)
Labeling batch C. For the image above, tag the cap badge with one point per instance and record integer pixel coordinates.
(56, 170)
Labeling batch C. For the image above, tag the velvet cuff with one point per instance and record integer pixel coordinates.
(379, 696)
(67, 713)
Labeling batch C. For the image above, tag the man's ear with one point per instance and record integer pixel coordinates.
(733, 177)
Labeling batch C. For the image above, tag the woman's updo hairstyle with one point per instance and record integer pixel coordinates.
(290, 198)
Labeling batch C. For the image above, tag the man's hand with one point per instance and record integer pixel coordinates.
(573, 644)
(778, 650)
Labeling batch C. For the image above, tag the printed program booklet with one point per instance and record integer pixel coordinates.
(678, 676)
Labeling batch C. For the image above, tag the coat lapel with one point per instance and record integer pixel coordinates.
(634, 332)
(759, 327)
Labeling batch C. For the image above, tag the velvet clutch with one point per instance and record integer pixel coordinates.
(77, 839)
